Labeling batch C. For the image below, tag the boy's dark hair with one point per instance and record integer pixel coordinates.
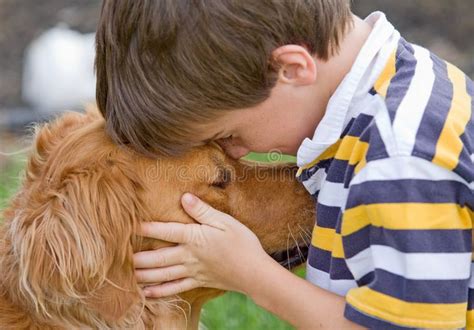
(165, 67)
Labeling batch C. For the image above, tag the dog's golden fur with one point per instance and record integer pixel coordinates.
(67, 238)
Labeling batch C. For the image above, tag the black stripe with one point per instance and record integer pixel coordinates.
(349, 175)
(407, 45)
(408, 191)
(322, 260)
(377, 148)
(400, 83)
(436, 111)
(420, 241)
(366, 279)
(420, 291)
(360, 124)
(336, 173)
(470, 299)
(340, 172)
(469, 202)
(465, 168)
(409, 241)
(347, 128)
(356, 242)
(467, 137)
(309, 172)
(327, 215)
(370, 322)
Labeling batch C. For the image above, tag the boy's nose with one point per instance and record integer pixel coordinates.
(237, 152)
(232, 150)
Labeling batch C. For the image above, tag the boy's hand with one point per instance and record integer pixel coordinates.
(220, 252)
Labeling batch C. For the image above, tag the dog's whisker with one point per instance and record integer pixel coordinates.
(304, 239)
(288, 250)
(300, 254)
(306, 233)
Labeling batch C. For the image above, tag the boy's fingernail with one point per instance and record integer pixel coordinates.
(189, 199)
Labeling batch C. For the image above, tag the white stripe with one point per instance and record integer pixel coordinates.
(333, 194)
(323, 280)
(411, 109)
(472, 158)
(379, 64)
(313, 184)
(415, 266)
(384, 126)
(471, 280)
(361, 264)
(366, 104)
(404, 167)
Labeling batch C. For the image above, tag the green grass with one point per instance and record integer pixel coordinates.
(235, 311)
(273, 157)
(232, 311)
(10, 177)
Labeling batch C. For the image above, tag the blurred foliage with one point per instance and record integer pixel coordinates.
(10, 177)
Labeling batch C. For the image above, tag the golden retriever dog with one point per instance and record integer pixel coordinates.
(68, 236)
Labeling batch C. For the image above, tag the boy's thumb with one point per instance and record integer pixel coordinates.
(202, 212)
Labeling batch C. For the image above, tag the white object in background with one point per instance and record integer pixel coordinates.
(59, 70)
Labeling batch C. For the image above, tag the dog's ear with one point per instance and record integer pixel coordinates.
(74, 240)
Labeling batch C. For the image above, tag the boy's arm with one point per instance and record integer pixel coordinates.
(222, 253)
(296, 300)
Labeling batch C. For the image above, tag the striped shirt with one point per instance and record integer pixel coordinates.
(391, 171)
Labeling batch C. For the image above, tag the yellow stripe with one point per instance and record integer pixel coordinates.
(449, 145)
(470, 319)
(382, 83)
(352, 149)
(402, 216)
(327, 154)
(328, 240)
(359, 152)
(418, 315)
(360, 166)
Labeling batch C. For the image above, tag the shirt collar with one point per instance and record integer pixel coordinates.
(332, 124)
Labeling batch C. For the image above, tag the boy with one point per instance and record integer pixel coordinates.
(383, 134)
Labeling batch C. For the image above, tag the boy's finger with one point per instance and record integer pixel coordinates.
(170, 288)
(173, 232)
(202, 212)
(164, 257)
(160, 275)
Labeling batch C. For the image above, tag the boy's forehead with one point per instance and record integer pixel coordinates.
(221, 126)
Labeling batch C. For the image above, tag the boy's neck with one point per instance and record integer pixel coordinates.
(336, 68)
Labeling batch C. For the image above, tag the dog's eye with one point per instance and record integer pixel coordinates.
(219, 184)
(223, 181)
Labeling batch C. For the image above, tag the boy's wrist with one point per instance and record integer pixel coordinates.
(268, 271)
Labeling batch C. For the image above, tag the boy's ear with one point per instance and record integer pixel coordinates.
(295, 65)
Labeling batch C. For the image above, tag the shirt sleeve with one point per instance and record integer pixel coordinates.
(407, 237)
